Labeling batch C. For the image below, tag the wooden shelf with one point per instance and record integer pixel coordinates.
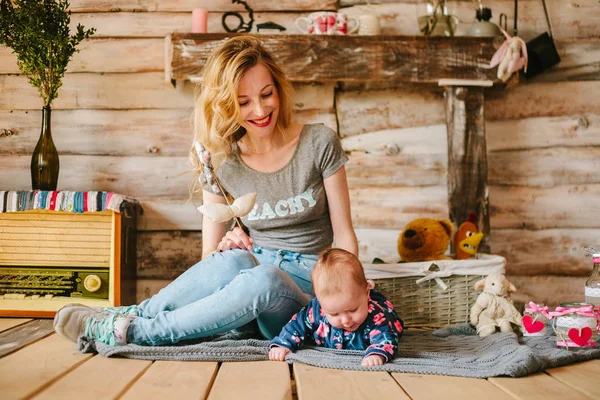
(348, 58)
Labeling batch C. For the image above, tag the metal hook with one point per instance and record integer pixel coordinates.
(503, 22)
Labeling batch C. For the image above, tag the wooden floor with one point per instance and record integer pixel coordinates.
(36, 363)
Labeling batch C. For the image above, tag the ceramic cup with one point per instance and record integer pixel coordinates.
(327, 23)
(369, 25)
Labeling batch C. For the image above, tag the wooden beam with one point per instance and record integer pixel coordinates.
(320, 383)
(534, 114)
(467, 159)
(516, 208)
(9, 323)
(570, 20)
(174, 380)
(35, 367)
(544, 99)
(146, 288)
(189, 5)
(134, 176)
(547, 167)
(572, 130)
(365, 170)
(265, 380)
(545, 208)
(393, 207)
(350, 58)
(177, 212)
(20, 336)
(132, 91)
(117, 375)
(579, 61)
(580, 377)
(127, 132)
(389, 159)
(161, 24)
(411, 105)
(537, 386)
(165, 255)
(528, 252)
(547, 289)
(434, 387)
(93, 52)
(120, 18)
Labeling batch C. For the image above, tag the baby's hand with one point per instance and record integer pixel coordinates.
(278, 353)
(372, 360)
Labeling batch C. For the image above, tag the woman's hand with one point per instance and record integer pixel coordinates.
(235, 239)
(372, 360)
(278, 353)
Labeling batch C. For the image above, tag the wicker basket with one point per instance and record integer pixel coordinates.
(433, 294)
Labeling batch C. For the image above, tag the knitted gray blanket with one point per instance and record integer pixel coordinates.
(456, 351)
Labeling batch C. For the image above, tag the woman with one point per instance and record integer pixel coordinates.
(243, 117)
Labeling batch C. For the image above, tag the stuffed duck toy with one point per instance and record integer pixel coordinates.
(467, 238)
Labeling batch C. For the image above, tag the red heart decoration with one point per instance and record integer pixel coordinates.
(331, 21)
(530, 326)
(582, 338)
(322, 23)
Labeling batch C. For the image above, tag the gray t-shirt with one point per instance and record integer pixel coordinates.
(291, 210)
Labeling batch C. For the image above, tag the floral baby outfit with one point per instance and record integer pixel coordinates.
(378, 334)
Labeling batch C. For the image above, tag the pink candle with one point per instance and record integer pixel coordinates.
(199, 20)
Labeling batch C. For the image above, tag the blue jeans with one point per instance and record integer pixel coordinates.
(226, 291)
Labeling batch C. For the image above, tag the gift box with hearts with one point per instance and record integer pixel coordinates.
(535, 320)
(575, 326)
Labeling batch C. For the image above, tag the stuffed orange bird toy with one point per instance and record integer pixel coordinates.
(467, 238)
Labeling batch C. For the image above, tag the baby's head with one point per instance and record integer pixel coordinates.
(340, 285)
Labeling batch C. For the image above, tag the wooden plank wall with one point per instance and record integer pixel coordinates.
(118, 126)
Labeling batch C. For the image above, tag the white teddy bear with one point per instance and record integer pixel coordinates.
(494, 307)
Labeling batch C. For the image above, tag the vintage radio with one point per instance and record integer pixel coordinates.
(52, 258)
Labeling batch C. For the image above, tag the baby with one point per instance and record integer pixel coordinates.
(346, 314)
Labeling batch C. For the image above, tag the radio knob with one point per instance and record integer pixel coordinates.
(92, 283)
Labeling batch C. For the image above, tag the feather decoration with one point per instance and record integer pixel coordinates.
(220, 212)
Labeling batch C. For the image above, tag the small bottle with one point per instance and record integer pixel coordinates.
(592, 286)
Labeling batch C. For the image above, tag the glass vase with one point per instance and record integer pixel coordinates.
(592, 287)
(44, 160)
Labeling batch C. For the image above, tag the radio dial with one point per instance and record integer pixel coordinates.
(92, 283)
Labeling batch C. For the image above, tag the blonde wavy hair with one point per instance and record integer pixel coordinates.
(217, 114)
